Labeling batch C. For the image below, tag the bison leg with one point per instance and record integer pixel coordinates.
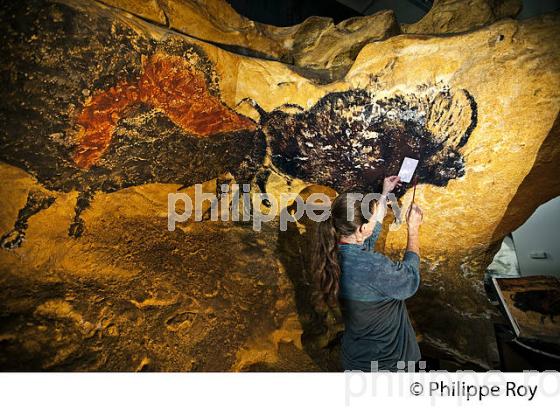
(36, 201)
(260, 180)
(255, 182)
(77, 226)
(223, 187)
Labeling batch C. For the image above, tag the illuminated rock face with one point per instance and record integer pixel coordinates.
(105, 114)
(452, 16)
(315, 48)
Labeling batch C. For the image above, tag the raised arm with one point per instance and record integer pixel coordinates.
(369, 243)
(389, 184)
(400, 279)
(414, 218)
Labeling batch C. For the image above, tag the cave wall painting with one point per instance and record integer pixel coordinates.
(155, 115)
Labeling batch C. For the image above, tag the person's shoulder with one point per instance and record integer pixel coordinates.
(358, 254)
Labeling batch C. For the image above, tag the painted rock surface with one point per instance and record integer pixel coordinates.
(105, 114)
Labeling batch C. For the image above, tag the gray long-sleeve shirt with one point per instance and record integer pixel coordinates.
(372, 292)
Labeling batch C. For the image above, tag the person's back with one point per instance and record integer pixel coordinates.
(369, 287)
(372, 292)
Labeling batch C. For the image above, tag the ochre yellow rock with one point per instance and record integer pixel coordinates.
(456, 16)
(322, 49)
(220, 296)
(147, 9)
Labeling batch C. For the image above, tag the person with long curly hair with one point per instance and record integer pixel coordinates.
(370, 287)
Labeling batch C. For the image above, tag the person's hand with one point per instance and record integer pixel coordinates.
(389, 183)
(414, 217)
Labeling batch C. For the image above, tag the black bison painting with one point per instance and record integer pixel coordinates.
(351, 139)
(80, 116)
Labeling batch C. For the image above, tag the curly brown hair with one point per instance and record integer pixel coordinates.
(345, 218)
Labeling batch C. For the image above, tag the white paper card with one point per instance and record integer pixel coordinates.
(407, 169)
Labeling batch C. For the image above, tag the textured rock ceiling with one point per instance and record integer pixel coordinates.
(106, 110)
(316, 47)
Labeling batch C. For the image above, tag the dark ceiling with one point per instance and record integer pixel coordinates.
(290, 12)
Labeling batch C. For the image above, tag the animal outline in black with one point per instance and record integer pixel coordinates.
(132, 135)
(295, 151)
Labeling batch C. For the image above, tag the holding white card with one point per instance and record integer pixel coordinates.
(407, 169)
